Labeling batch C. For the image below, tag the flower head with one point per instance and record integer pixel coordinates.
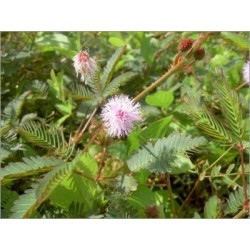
(246, 70)
(119, 116)
(84, 65)
(199, 54)
(185, 44)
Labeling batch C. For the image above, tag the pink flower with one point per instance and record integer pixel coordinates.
(246, 70)
(84, 65)
(119, 116)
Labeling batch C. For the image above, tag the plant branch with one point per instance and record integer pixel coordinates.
(175, 68)
(241, 150)
(82, 174)
(92, 139)
(171, 196)
(78, 134)
(241, 214)
(102, 163)
(189, 195)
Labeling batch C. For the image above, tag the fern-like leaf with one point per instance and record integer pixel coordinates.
(230, 106)
(29, 202)
(110, 67)
(181, 143)
(26, 204)
(166, 154)
(4, 154)
(7, 199)
(9, 145)
(235, 201)
(42, 136)
(206, 121)
(13, 110)
(76, 210)
(39, 88)
(29, 166)
(118, 81)
(52, 179)
(81, 92)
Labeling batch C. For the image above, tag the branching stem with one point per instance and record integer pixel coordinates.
(243, 175)
(171, 196)
(173, 69)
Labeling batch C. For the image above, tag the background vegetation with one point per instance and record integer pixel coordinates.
(185, 160)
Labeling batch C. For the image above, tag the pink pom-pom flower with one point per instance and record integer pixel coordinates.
(246, 70)
(84, 65)
(119, 116)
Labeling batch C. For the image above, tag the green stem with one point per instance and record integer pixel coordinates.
(220, 157)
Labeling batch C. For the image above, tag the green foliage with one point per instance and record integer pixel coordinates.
(77, 186)
(235, 201)
(28, 167)
(53, 168)
(160, 99)
(46, 137)
(52, 179)
(110, 67)
(117, 82)
(13, 110)
(147, 50)
(76, 210)
(157, 129)
(237, 39)
(206, 121)
(211, 207)
(230, 106)
(7, 199)
(167, 155)
(58, 42)
(25, 205)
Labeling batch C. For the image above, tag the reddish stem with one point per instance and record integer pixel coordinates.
(243, 175)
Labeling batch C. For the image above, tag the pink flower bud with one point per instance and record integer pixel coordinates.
(84, 65)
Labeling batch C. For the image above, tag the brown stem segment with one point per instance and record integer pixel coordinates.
(171, 196)
(78, 134)
(243, 175)
(175, 68)
(189, 195)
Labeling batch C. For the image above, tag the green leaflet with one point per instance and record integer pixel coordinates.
(7, 199)
(206, 121)
(157, 129)
(211, 206)
(26, 204)
(77, 188)
(81, 92)
(235, 201)
(165, 155)
(230, 106)
(237, 39)
(45, 137)
(56, 42)
(117, 82)
(13, 110)
(29, 166)
(147, 51)
(110, 67)
(160, 99)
